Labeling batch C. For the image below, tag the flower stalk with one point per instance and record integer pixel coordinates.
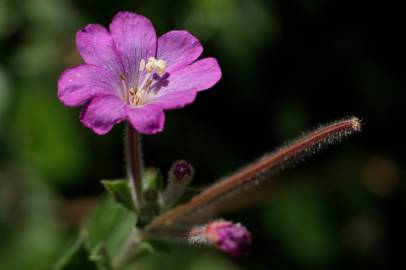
(134, 164)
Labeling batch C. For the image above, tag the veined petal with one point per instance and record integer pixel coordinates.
(102, 113)
(77, 85)
(135, 39)
(181, 86)
(175, 99)
(178, 49)
(96, 47)
(148, 119)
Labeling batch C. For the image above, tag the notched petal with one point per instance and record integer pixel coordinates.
(179, 48)
(102, 113)
(148, 119)
(96, 47)
(135, 39)
(183, 84)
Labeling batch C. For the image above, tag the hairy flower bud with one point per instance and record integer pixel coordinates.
(181, 171)
(179, 177)
(232, 238)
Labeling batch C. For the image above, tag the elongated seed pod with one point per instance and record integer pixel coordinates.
(259, 170)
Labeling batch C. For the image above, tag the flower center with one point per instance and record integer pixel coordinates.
(154, 69)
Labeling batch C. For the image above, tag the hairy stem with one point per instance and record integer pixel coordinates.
(134, 163)
(258, 171)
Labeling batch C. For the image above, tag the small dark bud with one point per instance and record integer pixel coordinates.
(179, 177)
(181, 171)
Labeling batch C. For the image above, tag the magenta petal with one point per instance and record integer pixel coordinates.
(175, 99)
(183, 84)
(102, 113)
(178, 48)
(135, 39)
(77, 85)
(96, 47)
(148, 119)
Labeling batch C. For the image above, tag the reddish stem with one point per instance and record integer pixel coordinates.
(246, 177)
(134, 163)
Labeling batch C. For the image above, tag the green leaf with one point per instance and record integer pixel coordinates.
(100, 256)
(146, 248)
(76, 257)
(160, 246)
(120, 190)
(104, 234)
(107, 229)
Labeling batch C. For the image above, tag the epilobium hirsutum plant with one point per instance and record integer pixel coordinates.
(131, 75)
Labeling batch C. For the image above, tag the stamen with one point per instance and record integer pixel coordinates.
(147, 84)
(150, 66)
(142, 65)
(160, 67)
(132, 96)
(157, 65)
(123, 77)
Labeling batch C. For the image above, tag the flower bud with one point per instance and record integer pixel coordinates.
(232, 238)
(179, 177)
(181, 171)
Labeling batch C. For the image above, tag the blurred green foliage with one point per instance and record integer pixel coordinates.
(287, 66)
(303, 224)
(32, 234)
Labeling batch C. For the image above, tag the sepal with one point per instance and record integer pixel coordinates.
(120, 190)
(179, 177)
(152, 179)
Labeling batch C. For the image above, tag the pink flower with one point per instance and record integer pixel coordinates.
(130, 74)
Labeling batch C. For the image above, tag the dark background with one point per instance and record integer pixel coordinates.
(287, 67)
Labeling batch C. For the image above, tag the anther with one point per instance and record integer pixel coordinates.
(160, 66)
(155, 65)
(150, 65)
